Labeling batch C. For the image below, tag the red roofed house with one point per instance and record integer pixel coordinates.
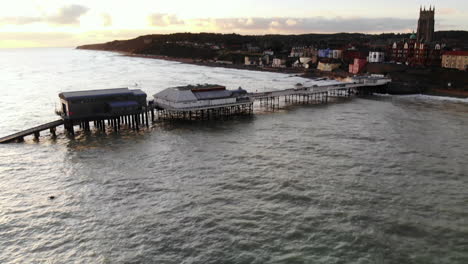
(358, 66)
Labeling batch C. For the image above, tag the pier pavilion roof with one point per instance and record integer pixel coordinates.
(194, 93)
(176, 95)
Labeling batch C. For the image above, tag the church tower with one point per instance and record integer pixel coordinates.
(426, 25)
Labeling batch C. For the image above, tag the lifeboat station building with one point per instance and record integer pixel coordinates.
(101, 104)
(202, 102)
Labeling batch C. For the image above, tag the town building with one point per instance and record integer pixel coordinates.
(266, 59)
(304, 62)
(328, 66)
(250, 60)
(105, 103)
(297, 52)
(357, 66)
(402, 51)
(256, 60)
(426, 25)
(337, 54)
(455, 60)
(278, 63)
(414, 53)
(427, 54)
(325, 53)
(330, 53)
(349, 55)
(376, 57)
(193, 97)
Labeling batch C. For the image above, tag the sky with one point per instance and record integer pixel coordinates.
(65, 23)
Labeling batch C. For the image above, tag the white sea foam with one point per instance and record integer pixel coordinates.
(434, 98)
(426, 97)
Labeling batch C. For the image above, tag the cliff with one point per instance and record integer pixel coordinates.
(155, 44)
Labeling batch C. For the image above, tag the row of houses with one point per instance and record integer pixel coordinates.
(322, 59)
(409, 52)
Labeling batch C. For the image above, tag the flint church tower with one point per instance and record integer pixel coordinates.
(426, 25)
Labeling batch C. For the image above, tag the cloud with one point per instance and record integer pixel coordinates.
(67, 15)
(106, 20)
(163, 20)
(19, 20)
(306, 25)
(441, 24)
(63, 39)
(446, 11)
(285, 25)
(275, 24)
(291, 22)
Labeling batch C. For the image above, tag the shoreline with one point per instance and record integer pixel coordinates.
(300, 72)
(448, 93)
(214, 64)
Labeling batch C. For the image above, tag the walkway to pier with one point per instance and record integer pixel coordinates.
(132, 121)
(332, 89)
(33, 131)
(321, 94)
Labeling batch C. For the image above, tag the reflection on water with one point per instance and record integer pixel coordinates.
(369, 180)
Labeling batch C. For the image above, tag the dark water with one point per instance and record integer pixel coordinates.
(374, 180)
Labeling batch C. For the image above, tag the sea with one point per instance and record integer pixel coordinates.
(377, 179)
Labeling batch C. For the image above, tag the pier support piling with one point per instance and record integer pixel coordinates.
(53, 131)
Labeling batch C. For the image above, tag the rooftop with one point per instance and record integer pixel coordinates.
(196, 93)
(457, 53)
(200, 87)
(100, 93)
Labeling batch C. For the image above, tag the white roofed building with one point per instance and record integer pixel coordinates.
(199, 97)
(376, 57)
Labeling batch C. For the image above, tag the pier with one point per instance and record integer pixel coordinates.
(99, 108)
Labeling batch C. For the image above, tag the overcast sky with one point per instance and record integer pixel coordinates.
(43, 23)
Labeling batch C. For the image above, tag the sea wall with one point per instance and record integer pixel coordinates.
(406, 80)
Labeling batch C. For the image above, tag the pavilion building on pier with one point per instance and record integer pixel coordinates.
(202, 101)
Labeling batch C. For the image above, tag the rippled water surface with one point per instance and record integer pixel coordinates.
(382, 179)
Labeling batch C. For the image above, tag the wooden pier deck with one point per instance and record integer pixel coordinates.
(32, 131)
